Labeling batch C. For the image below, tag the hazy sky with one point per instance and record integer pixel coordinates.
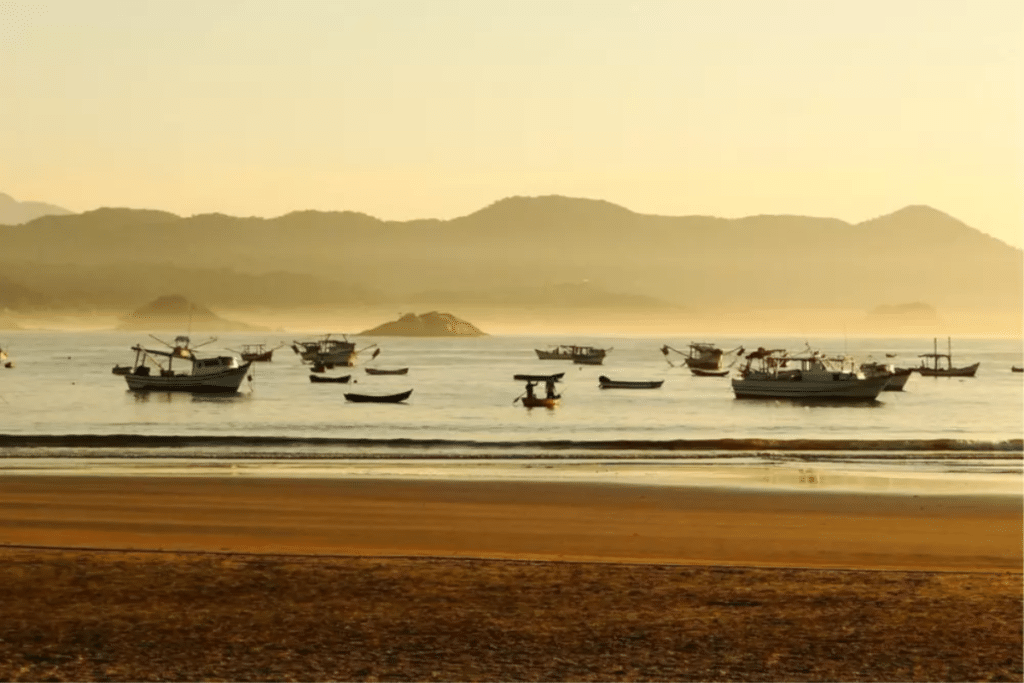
(436, 108)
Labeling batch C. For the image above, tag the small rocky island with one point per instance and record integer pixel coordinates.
(175, 312)
(431, 324)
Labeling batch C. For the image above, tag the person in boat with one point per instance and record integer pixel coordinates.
(529, 390)
(549, 387)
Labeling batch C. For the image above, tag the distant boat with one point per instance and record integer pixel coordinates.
(584, 355)
(814, 379)
(337, 380)
(328, 352)
(1016, 369)
(258, 353)
(606, 383)
(938, 370)
(704, 356)
(379, 371)
(121, 369)
(368, 398)
(220, 374)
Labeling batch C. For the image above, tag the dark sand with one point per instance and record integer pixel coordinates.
(641, 587)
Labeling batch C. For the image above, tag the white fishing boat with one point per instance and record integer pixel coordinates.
(809, 376)
(581, 355)
(218, 374)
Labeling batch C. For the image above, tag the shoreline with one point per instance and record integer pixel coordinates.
(531, 520)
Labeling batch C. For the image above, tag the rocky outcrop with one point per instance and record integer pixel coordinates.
(431, 324)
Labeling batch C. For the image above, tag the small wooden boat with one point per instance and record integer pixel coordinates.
(700, 372)
(379, 371)
(368, 398)
(257, 353)
(1016, 369)
(122, 369)
(606, 383)
(531, 400)
(337, 380)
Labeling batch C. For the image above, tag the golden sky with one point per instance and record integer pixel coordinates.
(436, 108)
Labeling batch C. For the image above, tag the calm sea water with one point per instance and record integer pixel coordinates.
(463, 392)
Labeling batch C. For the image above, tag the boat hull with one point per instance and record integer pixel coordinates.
(606, 383)
(225, 382)
(316, 379)
(898, 380)
(366, 398)
(378, 371)
(700, 372)
(800, 389)
(258, 357)
(540, 402)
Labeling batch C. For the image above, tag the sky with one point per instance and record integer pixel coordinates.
(437, 108)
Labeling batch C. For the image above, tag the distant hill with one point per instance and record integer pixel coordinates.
(516, 249)
(431, 324)
(13, 212)
(175, 312)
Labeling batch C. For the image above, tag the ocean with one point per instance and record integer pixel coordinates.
(462, 419)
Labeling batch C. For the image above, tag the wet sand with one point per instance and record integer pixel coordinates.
(451, 581)
(517, 520)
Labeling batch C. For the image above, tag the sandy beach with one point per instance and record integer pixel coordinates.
(517, 520)
(168, 578)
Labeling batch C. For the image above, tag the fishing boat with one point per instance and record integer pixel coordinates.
(937, 369)
(583, 355)
(258, 353)
(369, 398)
(218, 374)
(704, 356)
(897, 376)
(336, 380)
(328, 352)
(606, 383)
(380, 371)
(531, 400)
(812, 378)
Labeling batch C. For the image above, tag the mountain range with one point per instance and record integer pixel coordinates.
(519, 251)
(13, 212)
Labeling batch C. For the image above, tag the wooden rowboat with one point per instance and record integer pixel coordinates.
(367, 398)
(537, 402)
(606, 383)
(378, 371)
(337, 380)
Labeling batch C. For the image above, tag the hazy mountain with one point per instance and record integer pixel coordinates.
(175, 312)
(520, 249)
(431, 324)
(13, 212)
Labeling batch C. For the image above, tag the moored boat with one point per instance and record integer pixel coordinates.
(705, 357)
(218, 374)
(380, 371)
(258, 353)
(326, 352)
(121, 369)
(937, 369)
(317, 379)
(606, 383)
(584, 355)
(812, 379)
(1016, 369)
(371, 398)
(897, 376)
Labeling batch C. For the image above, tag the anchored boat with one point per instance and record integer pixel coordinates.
(583, 355)
(219, 374)
(938, 370)
(776, 374)
(606, 383)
